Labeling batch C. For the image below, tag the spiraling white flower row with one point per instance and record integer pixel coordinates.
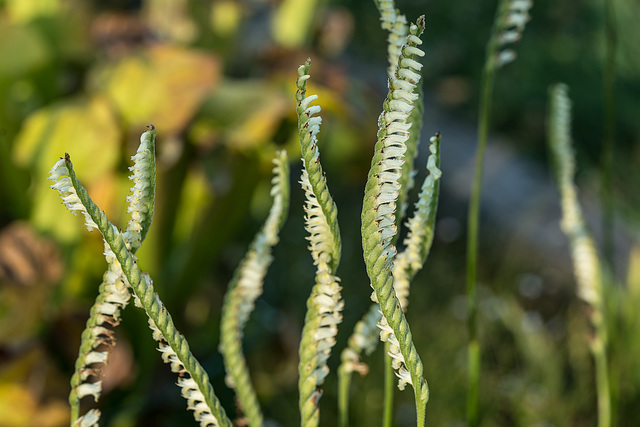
(114, 290)
(327, 289)
(189, 388)
(330, 304)
(114, 297)
(59, 174)
(315, 224)
(514, 16)
(325, 304)
(394, 128)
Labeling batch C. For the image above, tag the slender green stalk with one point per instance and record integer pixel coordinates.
(378, 218)
(196, 388)
(245, 288)
(473, 354)
(344, 384)
(606, 175)
(364, 339)
(389, 388)
(325, 303)
(511, 17)
(606, 185)
(587, 269)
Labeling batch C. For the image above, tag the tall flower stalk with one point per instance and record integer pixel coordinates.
(586, 263)
(246, 287)
(378, 216)
(511, 18)
(325, 303)
(113, 293)
(194, 381)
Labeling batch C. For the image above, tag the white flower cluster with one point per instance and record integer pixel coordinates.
(585, 257)
(59, 173)
(142, 192)
(315, 224)
(312, 125)
(90, 419)
(388, 13)
(410, 259)
(114, 296)
(398, 363)
(397, 37)
(511, 23)
(394, 127)
(326, 293)
(330, 304)
(364, 339)
(189, 388)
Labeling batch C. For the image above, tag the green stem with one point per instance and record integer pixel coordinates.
(606, 186)
(599, 350)
(344, 383)
(150, 301)
(389, 388)
(473, 364)
(472, 248)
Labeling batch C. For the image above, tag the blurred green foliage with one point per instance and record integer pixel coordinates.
(216, 78)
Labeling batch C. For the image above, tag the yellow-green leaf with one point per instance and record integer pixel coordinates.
(162, 85)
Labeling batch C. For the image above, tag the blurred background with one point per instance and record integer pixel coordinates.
(217, 78)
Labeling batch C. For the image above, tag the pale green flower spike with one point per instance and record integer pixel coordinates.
(586, 263)
(421, 227)
(511, 18)
(113, 293)
(308, 128)
(378, 214)
(246, 287)
(325, 303)
(407, 264)
(142, 198)
(196, 389)
(412, 258)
